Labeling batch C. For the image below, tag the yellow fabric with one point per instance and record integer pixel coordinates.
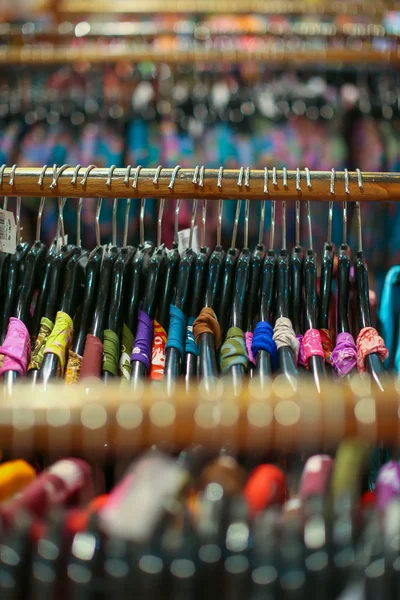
(72, 372)
(60, 339)
(14, 476)
(46, 327)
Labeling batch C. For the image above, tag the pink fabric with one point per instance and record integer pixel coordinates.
(248, 336)
(16, 348)
(344, 355)
(369, 342)
(312, 345)
(301, 360)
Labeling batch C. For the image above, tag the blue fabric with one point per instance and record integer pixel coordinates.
(190, 342)
(262, 340)
(176, 331)
(389, 310)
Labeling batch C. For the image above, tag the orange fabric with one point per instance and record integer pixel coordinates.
(158, 352)
(207, 322)
(369, 342)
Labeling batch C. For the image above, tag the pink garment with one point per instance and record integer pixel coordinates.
(312, 345)
(248, 336)
(301, 360)
(344, 355)
(16, 348)
(369, 342)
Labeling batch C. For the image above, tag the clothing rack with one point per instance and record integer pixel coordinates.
(274, 55)
(113, 418)
(225, 6)
(32, 32)
(244, 183)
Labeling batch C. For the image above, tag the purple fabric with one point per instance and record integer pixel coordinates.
(143, 341)
(301, 359)
(387, 486)
(344, 355)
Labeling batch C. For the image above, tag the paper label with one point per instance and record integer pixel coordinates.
(183, 240)
(8, 232)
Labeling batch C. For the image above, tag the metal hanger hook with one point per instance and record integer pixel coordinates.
(75, 174)
(141, 219)
(39, 217)
(86, 174)
(157, 175)
(110, 174)
(246, 223)
(192, 221)
(283, 224)
(18, 219)
(274, 177)
(272, 230)
(330, 206)
(56, 175)
(5, 201)
(203, 224)
(97, 220)
(308, 177)
(308, 206)
(285, 177)
(41, 176)
(78, 222)
(136, 177)
(173, 177)
(220, 176)
(236, 223)
(298, 208)
(127, 174)
(61, 230)
(176, 223)
(114, 222)
(12, 175)
(358, 208)
(159, 221)
(265, 180)
(298, 177)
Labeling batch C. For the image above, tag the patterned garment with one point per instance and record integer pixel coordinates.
(46, 327)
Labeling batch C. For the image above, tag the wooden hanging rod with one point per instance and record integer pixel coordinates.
(308, 7)
(272, 54)
(201, 29)
(92, 417)
(246, 183)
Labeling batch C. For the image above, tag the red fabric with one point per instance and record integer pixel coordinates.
(312, 345)
(265, 486)
(327, 344)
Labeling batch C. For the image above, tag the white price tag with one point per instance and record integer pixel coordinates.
(8, 232)
(183, 240)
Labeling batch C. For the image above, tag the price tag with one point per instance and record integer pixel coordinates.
(183, 240)
(8, 232)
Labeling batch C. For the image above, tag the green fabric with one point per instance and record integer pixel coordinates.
(111, 351)
(233, 351)
(125, 356)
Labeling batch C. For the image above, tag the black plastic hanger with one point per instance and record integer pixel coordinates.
(326, 272)
(240, 293)
(199, 278)
(207, 367)
(91, 292)
(267, 297)
(14, 280)
(154, 283)
(118, 289)
(310, 282)
(173, 361)
(50, 295)
(71, 296)
(373, 361)
(102, 302)
(296, 279)
(287, 361)
(171, 272)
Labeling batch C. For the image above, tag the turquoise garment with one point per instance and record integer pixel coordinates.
(389, 314)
